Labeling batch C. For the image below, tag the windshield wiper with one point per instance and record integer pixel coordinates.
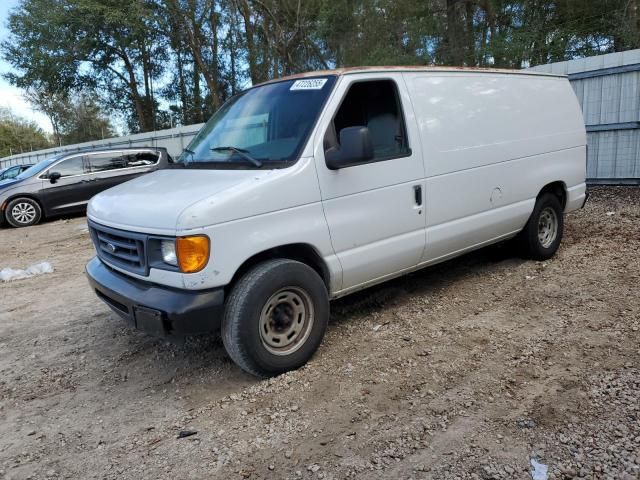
(240, 151)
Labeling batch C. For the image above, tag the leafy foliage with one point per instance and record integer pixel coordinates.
(18, 135)
(74, 119)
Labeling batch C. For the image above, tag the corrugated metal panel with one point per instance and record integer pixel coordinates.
(598, 62)
(592, 155)
(630, 97)
(626, 165)
(611, 99)
(606, 155)
(614, 155)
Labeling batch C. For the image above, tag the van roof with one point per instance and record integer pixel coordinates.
(371, 69)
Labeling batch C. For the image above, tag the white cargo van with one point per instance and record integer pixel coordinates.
(308, 188)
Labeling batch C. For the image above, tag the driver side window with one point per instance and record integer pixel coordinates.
(375, 105)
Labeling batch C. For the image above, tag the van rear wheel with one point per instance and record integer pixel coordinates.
(275, 317)
(23, 212)
(541, 236)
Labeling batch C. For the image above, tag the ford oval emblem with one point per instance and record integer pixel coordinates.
(111, 247)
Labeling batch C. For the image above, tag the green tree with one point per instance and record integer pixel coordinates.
(18, 135)
(53, 105)
(112, 45)
(83, 121)
(75, 118)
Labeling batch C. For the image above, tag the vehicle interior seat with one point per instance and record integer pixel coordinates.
(384, 132)
(372, 104)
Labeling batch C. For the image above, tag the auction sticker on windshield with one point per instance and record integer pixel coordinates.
(309, 84)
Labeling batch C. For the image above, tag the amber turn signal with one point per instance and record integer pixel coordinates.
(192, 253)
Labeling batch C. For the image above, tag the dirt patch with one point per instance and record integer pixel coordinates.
(465, 370)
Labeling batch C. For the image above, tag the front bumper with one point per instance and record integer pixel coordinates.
(160, 311)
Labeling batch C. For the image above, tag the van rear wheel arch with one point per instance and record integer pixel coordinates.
(557, 188)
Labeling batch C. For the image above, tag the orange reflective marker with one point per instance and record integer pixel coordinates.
(192, 253)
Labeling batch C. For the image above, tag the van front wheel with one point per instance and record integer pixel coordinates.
(542, 234)
(275, 317)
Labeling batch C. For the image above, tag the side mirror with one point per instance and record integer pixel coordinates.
(54, 177)
(355, 147)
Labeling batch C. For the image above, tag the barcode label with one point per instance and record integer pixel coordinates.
(309, 84)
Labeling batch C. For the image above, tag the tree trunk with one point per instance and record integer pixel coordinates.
(470, 54)
(197, 98)
(197, 46)
(249, 32)
(454, 54)
(214, 19)
(148, 89)
(138, 102)
(232, 59)
(182, 86)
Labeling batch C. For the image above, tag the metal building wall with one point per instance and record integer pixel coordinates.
(608, 89)
(174, 140)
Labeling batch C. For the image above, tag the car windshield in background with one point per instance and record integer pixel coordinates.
(37, 168)
(261, 127)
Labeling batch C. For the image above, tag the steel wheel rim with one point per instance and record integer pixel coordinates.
(547, 227)
(286, 321)
(23, 212)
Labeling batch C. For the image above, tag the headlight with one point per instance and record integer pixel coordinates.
(192, 253)
(168, 248)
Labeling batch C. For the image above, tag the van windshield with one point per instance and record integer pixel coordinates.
(266, 126)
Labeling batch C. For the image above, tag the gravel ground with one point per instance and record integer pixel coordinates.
(470, 369)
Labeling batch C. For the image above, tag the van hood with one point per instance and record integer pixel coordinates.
(155, 202)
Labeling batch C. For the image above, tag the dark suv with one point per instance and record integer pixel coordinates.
(65, 183)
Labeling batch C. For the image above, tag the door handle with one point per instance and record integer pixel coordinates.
(417, 193)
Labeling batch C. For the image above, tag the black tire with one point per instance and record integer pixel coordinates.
(23, 212)
(255, 293)
(534, 241)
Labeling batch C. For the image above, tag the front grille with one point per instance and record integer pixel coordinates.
(119, 248)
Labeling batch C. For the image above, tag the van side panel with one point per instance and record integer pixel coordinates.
(469, 120)
(491, 142)
(280, 208)
(477, 215)
(235, 242)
